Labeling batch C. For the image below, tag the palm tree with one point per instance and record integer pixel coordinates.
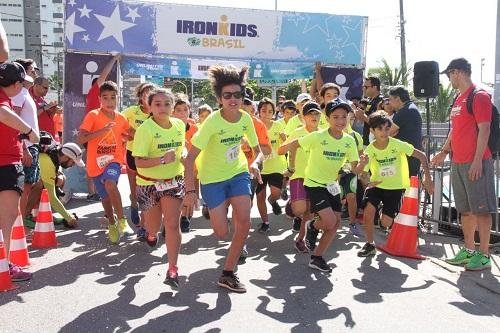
(389, 76)
(440, 105)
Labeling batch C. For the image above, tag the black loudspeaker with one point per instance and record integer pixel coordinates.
(426, 79)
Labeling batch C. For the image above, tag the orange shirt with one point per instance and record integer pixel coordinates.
(261, 131)
(107, 148)
(193, 128)
(58, 122)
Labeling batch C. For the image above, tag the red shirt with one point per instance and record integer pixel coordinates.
(11, 150)
(92, 101)
(464, 125)
(45, 119)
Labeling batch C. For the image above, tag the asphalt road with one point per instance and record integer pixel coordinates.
(88, 285)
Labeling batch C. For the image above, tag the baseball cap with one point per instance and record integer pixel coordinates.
(458, 63)
(335, 104)
(311, 107)
(12, 72)
(288, 105)
(73, 151)
(303, 97)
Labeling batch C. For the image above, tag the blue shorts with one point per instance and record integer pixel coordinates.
(112, 172)
(215, 194)
(32, 173)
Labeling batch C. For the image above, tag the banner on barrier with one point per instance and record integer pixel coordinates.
(199, 67)
(156, 67)
(198, 31)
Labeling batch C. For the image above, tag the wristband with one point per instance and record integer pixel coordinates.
(290, 170)
(29, 132)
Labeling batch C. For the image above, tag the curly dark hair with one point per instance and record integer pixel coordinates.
(221, 76)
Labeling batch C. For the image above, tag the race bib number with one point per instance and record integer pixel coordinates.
(388, 171)
(333, 188)
(232, 153)
(104, 160)
(166, 185)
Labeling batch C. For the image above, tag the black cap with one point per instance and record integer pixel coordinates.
(12, 72)
(335, 104)
(459, 63)
(310, 107)
(288, 105)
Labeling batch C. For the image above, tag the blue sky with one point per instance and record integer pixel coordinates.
(435, 29)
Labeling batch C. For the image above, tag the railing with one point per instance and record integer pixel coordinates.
(439, 209)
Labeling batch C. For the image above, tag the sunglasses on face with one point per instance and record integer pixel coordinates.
(236, 94)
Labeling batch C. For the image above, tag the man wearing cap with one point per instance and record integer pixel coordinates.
(12, 76)
(25, 107)
(472, 171)
(45, 110)
(297, 120)
(51, 162)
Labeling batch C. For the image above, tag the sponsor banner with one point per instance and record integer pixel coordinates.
(159, 67)
(350, 80)
(280, 70)
(146, 28)
(199, 68)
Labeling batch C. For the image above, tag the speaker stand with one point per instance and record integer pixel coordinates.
(428, 116)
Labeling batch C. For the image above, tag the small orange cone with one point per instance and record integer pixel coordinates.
(18, 246)
(44, 235)
(403, 239)
(5, 280)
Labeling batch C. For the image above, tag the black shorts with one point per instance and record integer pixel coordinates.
(320, 198)
(349, 183)
(272, 179)
(131, 161)
(390, 199)
(12, 178)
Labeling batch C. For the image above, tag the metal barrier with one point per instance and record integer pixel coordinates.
(439, 209)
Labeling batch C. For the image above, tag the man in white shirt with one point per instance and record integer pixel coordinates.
(25, 107)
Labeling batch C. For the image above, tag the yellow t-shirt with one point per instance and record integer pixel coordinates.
(327, 155)
(390, 164)
(152, 140)
(323, 122)
(302, 155)
(219, 140)
(274, 163)
(281, 121)
(294, 123)
(135, 118)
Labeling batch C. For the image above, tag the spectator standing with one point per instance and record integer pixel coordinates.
(45, 110)
(371, 91)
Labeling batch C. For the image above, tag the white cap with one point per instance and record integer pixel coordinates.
(303, 96)
(73, 151)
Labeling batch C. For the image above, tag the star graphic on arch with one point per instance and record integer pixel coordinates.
(71, 3)
(334, 42)
(75, 132)
(85, 12)
(348, 42)
(113, 26)
(85, 38)
(321, 27)
(71, 28)
(346, 20)
(296, 18)
(132, 13)
(339, 55)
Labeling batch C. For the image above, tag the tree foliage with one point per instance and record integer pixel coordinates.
(390, 76)
(440, 105)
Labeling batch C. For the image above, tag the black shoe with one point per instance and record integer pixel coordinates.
(320, 264)
(284, 194)
(311, 235)
(297, 221)
(93, 197)
(151, 240)
(276, 207)
(205, 212)
(172, 280)
(231, 282)
(367, 250)
(185, 222)
(264, 227)
(162, 231)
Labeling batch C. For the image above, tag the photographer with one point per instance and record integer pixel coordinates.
(52, 160)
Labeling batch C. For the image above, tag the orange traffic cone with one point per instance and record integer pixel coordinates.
(18, 246)
(403, 239)
(5, 280)
(44, 235)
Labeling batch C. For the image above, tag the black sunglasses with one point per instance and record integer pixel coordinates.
(236, 94)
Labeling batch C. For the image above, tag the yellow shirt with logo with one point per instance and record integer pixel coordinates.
(219, 140)
(327, 155)
(135, 118)
(274, 163)
(152, 140)
(390, 165)
(294, 123)
(302, 156)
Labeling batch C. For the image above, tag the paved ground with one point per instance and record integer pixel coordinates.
(87, 285)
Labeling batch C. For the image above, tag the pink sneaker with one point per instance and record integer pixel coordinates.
(17, 274)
